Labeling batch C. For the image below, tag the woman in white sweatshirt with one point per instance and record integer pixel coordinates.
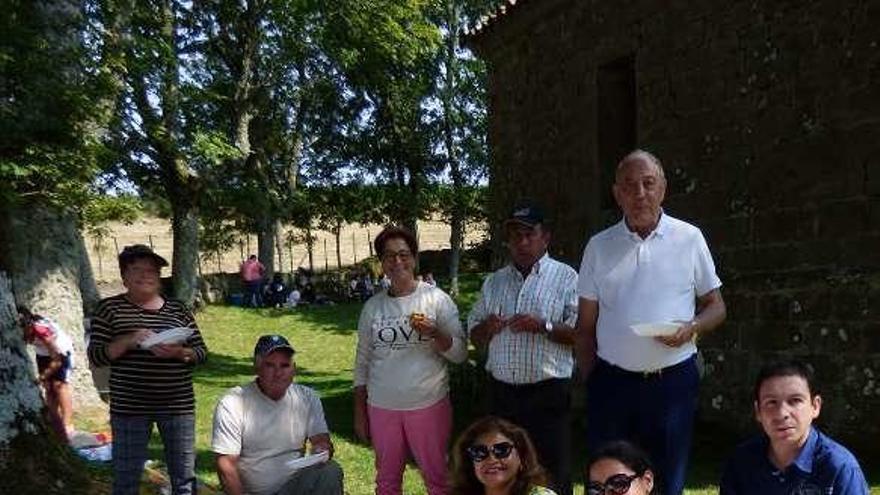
(401, 387)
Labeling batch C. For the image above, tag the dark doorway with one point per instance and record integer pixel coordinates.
(615, 121)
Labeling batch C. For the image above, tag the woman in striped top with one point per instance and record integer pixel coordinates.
(147, 385)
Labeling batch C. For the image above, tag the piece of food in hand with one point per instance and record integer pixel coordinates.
(417, 318)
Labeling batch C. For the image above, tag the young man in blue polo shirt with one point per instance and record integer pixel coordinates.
(791, 457)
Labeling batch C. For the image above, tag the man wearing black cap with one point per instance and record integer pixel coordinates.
(261, 429)
(150, 380)
(526, 315)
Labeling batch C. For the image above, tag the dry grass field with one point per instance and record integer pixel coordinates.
(355, 245)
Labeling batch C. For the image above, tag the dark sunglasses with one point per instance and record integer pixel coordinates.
(616, 485)
(479, 453)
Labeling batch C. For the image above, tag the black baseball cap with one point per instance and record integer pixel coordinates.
(525, 213)
(136, 251)
(268, 344)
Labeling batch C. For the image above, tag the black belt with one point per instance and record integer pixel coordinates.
(617, 370)
(532, 386)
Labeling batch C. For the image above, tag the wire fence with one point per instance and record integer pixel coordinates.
(355, 244)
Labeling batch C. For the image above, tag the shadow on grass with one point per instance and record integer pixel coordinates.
(227, 364)
(339, 318)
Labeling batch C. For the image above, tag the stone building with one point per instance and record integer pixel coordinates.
(767, 118)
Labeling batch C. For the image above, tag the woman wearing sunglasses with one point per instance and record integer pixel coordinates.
(620, 468)
(495, 457)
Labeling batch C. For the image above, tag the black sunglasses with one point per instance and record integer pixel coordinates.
(617, 484)
(479, 453)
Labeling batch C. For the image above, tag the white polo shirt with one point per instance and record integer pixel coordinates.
(651, 280)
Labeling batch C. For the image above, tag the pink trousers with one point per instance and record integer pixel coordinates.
(423, 432)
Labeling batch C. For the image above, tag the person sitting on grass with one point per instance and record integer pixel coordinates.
(620, 468)
(496, 457)
(276, 295)
(293, 297)
(791, 455)
(262, 427)
(54, 350)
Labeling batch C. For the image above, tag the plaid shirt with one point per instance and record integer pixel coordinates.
(549, 292)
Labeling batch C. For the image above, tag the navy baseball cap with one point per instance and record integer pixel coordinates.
(525, 213)
(268, 344)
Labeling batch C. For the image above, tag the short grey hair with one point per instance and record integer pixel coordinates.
(640, 154)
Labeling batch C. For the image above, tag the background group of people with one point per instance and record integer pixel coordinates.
(536, 319)
(275, 293)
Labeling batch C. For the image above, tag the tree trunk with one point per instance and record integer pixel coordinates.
(310, 247)
(185, 257)
(456, 240)
(51, 275)
(33, 460)
(416, 190)
(456, 236)
(337, 233)
(279, 245)
(88, 288)
(162, 129)
(266, 243)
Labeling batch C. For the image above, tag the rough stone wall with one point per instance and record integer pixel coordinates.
(767, 118)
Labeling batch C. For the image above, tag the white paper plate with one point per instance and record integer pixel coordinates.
(309, 460)
(171, 336)
(655, 329)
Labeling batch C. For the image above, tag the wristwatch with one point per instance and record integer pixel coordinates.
(548, 326)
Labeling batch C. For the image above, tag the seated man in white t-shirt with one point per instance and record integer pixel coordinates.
(261, 430)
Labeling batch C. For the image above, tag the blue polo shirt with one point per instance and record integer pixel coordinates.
(823, 467)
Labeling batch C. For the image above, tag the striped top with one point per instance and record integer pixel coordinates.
(549, 292)
(141, 382)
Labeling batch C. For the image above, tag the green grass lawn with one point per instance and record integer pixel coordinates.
(324, 338)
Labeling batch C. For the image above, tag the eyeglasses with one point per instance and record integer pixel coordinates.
(617, 484)
(391, 255)
(479, 453)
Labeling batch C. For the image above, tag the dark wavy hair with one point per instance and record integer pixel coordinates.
(395, 232)
(628, 454)
(464, 480)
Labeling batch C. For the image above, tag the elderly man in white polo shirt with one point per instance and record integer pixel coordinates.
(526, 315)
(649, 268)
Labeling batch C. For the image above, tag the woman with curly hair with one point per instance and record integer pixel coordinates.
(496, 457)
(620, 468)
